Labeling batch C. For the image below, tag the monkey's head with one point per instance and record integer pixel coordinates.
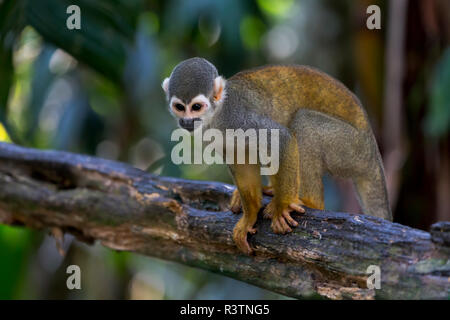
(195, 91)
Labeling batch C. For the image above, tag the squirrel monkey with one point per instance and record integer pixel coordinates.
(323, 128)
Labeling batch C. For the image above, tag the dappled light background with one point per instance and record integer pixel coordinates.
(98, 91)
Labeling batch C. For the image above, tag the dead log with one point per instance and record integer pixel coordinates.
(188, 222)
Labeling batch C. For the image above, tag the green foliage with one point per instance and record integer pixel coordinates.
(276, 8)
(252, 30)
(103, 40)
(15, 245)
(11, 23)
(97, 91)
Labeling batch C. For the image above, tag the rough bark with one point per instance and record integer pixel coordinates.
(187, 221)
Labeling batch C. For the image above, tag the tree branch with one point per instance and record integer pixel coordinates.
(187, 221)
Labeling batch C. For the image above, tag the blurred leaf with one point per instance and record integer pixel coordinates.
(275, 8)
(140, 71)
(14, 244)
(437, 121)
(150, 21)
(158, 164)
(11, 24)
(107, 29)
(4, 137)
(252, 29)
(187, 15)
(42, 80)
(74, 116)
(6, 73)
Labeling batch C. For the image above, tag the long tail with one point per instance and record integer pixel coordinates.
(372, 191)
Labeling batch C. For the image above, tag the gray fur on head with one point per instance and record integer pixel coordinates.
(192, 77)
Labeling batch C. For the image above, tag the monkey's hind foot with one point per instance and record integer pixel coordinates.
(240, 237)
(281, 217)
(236, 204)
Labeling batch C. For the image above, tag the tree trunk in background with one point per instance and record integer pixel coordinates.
(425, 185)
(393, 115)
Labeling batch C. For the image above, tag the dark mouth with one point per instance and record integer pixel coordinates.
(188, 128)
(189, 124)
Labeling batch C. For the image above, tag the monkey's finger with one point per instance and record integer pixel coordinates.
(296, 207)
(244, 247)
(240, 238)
(286, 227)
(289, 219)
(280, 226)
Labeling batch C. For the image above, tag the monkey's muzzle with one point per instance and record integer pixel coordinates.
(189, 123)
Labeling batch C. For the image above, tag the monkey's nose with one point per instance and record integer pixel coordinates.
(188, 123)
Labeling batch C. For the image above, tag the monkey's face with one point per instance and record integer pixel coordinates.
(194, 108)
(190, 114)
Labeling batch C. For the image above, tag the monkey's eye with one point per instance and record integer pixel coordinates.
(179, 107)
(196, 106)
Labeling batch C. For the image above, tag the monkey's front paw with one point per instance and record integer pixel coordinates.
(240, 237)
(282, 223)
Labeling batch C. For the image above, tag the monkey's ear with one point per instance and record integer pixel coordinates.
(165, 85)
(219, 89)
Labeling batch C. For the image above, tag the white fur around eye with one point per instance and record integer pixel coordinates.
(200, 99)
(174, 100)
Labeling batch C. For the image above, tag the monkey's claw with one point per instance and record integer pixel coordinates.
(297, 207)
(240, 238)
(281, 223)
(243, 246)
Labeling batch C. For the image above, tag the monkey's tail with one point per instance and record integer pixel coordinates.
(372, 191)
